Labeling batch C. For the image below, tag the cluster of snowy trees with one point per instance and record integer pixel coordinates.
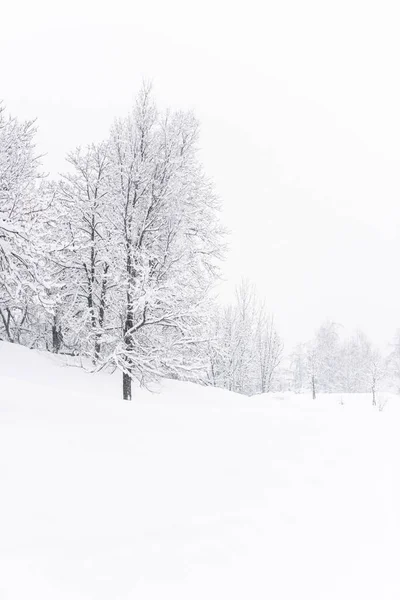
(24, 197)
(245, 349)
(116, 260)
(329, 363)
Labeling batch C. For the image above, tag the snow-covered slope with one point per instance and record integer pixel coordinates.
(191, 493)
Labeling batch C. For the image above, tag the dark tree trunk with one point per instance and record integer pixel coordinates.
(128, 327)
(6, 322)
(102, 310)
(314, 394)
(97, 348)
(127, 379)
(56, 336)
(126, 386)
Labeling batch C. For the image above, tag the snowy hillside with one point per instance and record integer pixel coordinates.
(191, 493)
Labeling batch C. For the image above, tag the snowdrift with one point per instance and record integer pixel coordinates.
(191, 493)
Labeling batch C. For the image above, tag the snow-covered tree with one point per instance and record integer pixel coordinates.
(268, 349)
(323, 353)
(362, 366)
(81, 258)
(298, 367)
(328, 356)
(375, 372)
(313, 365)
(165, 240)
(247, 349)
(23, 199)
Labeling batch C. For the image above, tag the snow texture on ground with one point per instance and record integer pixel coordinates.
(191, 493)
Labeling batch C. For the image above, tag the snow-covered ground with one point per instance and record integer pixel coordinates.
(191, 493)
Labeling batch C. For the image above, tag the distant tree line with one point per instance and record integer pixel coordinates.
(329, 363)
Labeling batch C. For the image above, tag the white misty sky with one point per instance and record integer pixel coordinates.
(300, 110)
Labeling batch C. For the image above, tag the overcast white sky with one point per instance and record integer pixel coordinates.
(300, 109)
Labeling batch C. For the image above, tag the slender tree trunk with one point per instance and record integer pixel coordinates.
(6, 322)
(126, 386)
(102, 310)
(373, 395)
(126, 379)
(213, 378)
(97, 348)
(314, 394)
(56, 336)
(91, 275)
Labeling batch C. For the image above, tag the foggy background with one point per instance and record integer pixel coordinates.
(300, 129)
